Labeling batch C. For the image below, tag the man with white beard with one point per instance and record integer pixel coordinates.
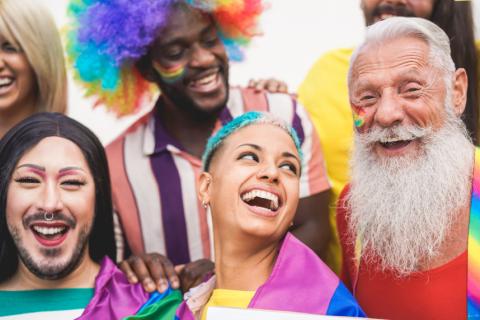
(404, 218)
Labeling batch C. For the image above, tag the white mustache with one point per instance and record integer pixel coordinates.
(395, 133)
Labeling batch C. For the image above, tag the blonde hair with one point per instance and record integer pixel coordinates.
(29, 25)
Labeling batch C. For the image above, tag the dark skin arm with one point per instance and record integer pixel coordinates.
(154, 271)
(311, 224)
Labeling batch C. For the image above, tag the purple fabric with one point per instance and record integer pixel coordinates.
(173, 216)
(299, 282)
(162, 138)
(225, 116)
(297, 123)
(168, 179)
(114, 297)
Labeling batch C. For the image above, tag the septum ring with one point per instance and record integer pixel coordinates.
(48, 216)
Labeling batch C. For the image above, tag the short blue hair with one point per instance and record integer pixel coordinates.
(246, 119)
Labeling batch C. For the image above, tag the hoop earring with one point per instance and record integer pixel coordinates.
(205, 204)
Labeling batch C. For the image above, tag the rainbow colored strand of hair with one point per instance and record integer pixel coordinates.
(473, 276)
(107, 37)
(170, 75)
(358, 116)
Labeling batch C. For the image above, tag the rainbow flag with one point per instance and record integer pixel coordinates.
(160, 306)
(473, 276)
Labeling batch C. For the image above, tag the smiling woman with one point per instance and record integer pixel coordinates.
(32, 68)
(251, 187)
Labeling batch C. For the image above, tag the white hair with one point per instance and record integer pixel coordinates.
(419, 28)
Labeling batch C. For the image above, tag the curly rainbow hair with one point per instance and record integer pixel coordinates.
(107, 37)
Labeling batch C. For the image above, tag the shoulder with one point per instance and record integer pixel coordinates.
(242, 100)
(135, 128)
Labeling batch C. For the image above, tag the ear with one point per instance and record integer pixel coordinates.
(460, 86)
(204, 187)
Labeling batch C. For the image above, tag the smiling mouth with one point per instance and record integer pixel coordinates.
(384, 16)
(261, 199)
(206, 83)
(50, 234)
(394, 143)
(5, 83)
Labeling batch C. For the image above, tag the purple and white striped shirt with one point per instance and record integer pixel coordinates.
(154, 181)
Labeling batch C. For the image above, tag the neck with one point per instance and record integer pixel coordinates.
(191, 130)
(243, 268)
(9, 119)
(455, 242)
(82, 277)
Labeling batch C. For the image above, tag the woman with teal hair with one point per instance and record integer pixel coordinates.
(250, 185)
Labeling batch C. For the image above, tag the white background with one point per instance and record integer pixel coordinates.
(293, 37)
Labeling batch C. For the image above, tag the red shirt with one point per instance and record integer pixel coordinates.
(439, 293)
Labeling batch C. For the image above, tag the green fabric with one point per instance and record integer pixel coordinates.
(161, 310)
(26, 301)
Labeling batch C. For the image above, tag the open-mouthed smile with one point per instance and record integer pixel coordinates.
(50, 234)
(207, 82)
(262, 202)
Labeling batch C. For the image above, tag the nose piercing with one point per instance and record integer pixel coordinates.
(48, 216)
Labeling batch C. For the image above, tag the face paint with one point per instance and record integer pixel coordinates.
(170, 75)
(358, 116)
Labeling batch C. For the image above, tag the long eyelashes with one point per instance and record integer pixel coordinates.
(69, 182)
(27, 180)
(74, 182)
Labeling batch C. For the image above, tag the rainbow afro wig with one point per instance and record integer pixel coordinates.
(107, 37)
(246, 119)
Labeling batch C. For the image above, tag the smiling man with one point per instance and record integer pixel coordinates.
(155, 164)
(324, 90)
(404, 218)
(56, 227)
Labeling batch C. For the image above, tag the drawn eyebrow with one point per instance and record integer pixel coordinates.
(32, 166)
(68, 170)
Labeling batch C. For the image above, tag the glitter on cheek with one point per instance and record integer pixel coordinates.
(170, 75)
(358, 115)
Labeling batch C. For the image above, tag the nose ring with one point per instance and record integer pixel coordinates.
(48, 216)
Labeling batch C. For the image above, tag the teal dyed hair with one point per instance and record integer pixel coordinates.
(246, 119)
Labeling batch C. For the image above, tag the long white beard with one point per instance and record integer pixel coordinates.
(402, 208)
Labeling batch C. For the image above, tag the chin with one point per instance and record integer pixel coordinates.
(267, 232)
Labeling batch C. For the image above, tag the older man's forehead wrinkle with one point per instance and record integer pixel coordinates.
(376, 64)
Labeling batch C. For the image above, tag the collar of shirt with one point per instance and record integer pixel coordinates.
(156, 139)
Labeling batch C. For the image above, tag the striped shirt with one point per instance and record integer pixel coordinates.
(154, 181)
(44, 304)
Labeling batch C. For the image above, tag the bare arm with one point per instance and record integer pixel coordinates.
(311, 224)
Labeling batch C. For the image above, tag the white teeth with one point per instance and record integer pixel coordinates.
(5, 81)
(205, 80)
(393, 139)
(264, 195)
(48, 231)
(385, 16)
